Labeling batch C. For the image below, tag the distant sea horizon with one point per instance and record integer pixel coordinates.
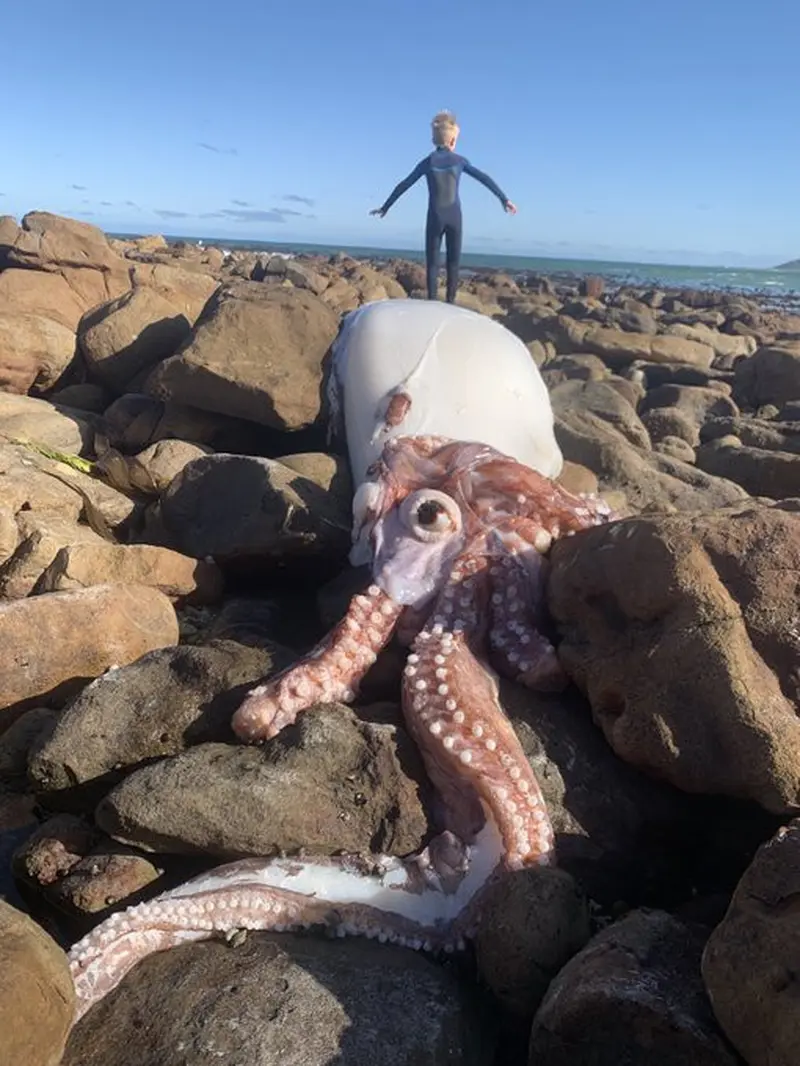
(780, 286)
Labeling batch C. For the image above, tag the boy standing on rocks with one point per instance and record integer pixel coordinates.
(443, 169)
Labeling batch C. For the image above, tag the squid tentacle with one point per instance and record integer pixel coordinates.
(330, 673)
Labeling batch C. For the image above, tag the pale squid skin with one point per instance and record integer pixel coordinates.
(457, 534)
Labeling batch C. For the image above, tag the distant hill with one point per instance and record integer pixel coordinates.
(793, 264)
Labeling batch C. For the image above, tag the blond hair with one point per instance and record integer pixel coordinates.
(444, 127)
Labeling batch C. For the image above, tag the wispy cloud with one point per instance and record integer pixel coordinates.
(211, 214)
(254, 216)
(241, 203)
(130, 203)
(80, 188)
(86, 214)
(106, 203)
(163, 212)
(292, 197)
(216, 150)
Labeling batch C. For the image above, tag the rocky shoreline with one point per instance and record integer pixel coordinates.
(173, 526)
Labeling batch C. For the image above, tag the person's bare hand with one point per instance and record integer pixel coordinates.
(379, 212)
(511, 209)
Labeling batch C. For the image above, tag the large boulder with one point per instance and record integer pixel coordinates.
(760, 471)
(618, 348)
(35, 292)
(50, 242)
(129, 335)
(243, 507)
(40, 537)
(633, 996)
(772, 375)
(31, 481)
(54, 644)
(649, 481)
(37, 998)
(188, 291)
(34, 351)
(77, 253)
(284, 999)
(356, 772)
(156, 706)
(750, 961)
(179, 577)
(256, 353)
(25, 418)
(684, 641)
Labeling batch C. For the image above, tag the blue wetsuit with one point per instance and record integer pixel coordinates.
(443, 169)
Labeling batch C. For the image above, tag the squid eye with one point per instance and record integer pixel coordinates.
(430, 515)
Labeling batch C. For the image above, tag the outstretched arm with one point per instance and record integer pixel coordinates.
(402, 187)
(490, 184)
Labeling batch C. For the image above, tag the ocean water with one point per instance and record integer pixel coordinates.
(781, 285)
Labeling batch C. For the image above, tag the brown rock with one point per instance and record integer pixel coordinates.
(188, 291)
(283, 999)
(50, 242)
(684, 642)
(129, 335)
(602, 400)
(37, 999)
(9, 533)
(98, 881)
(159, 705)
(772, 375)
(750, 961)
(179, 577)
(55, 848)
(153, 469)
(591, 286)
(532, 923)
(341, 297)
(698, 404)
(41, 538)
(34, 292)
(58, 642)
(649, 481)
(578, 479)
(663, 422)
(761, 472)
(363, 799)
(86, 396)
(34, 351)
(410, 275)
(25, 418)
(617, 348)
(675, 448)
(18, 740)
(772, 435)
(30, 481)
(724, 344)
(633, 996)
(241, 507)
(256, 354)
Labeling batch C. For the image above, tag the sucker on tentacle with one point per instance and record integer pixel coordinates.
(457, 534)
(330, 673)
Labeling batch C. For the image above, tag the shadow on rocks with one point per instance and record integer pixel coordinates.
(300, 1001)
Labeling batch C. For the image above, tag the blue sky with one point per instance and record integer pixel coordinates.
(623, 129)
